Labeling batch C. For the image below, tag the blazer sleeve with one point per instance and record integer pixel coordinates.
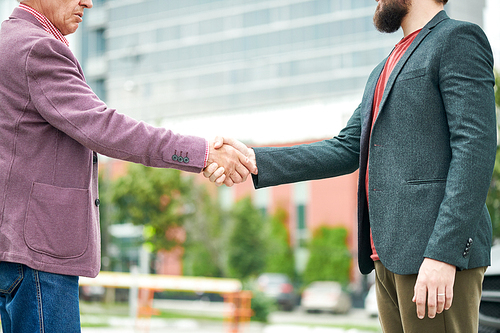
(466, 82)
(323, 159)
(60, 94)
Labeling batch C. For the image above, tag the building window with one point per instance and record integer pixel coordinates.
(301, 226)
(97, 3)
(262, 199)
(99, 88)
(300, 196)
(96, 43)
(256, 18)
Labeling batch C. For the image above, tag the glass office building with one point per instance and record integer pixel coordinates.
(263, 63)
(243, 68)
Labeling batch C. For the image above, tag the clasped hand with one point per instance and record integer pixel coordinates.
(229, 162)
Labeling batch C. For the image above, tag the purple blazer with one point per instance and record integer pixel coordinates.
(51, 127)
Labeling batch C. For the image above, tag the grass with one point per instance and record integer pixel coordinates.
(96, 314)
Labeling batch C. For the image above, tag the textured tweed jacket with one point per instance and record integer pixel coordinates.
(432, 150)
(51, 126)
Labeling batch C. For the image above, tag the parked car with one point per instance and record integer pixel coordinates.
(326, 296)
(278, 287)
(489, 309)
(92, 293)
(371, 307)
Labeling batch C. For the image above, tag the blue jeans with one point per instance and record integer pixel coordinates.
(35, 301)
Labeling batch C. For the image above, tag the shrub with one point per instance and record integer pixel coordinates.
(330, 259)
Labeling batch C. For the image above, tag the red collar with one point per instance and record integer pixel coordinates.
(46, 24)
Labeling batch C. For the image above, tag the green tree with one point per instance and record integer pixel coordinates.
(105, 219)
(280, 257)
(330, 259)
(206, 235)
(159, 199)
(246, 246)
(493, 199)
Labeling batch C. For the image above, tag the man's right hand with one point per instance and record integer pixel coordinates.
(225, 172)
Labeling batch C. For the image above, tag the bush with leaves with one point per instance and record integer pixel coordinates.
(280, 256)
(493, 199)
(206, 236)
(329, 259)
(159, 199)
(246, 248)
(262, 306)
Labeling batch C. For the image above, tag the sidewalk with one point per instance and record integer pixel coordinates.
(193, 326)
(298, 321)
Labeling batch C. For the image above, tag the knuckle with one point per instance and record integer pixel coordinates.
(420, 302)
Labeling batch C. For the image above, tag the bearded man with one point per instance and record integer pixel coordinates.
(424, 141)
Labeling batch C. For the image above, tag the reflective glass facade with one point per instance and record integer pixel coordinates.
(189, 62)
(179, 58)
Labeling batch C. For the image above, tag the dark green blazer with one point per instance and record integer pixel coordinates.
(432, 150)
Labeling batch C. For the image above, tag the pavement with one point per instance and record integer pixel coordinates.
(297, 321)
(194, 326)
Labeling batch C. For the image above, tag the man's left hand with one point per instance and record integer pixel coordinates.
(434, 286)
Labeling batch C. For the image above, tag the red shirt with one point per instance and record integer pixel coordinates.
(46, 24)
(393, 59)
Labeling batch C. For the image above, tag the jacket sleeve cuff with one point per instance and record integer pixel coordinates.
(207, 150)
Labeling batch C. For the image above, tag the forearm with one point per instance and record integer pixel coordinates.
(301, 163)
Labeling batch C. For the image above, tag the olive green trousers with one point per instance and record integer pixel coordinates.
(398, 314)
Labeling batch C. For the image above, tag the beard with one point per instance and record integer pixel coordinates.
(388, 17)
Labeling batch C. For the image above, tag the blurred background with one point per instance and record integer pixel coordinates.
(267, 72)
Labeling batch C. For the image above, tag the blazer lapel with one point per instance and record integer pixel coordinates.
(399, 66)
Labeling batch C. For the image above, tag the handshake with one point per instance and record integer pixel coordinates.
(229, 162)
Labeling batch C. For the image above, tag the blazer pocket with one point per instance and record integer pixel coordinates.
(57, 221)
(425, 181)
(412, 74)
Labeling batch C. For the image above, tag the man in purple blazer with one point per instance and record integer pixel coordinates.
(51, 128)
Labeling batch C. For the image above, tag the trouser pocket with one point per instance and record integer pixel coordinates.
(11, 274)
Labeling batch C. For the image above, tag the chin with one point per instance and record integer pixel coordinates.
(69, 30)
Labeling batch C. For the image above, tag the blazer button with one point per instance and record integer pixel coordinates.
(97, 202)
(175, 157)
(186, 160)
